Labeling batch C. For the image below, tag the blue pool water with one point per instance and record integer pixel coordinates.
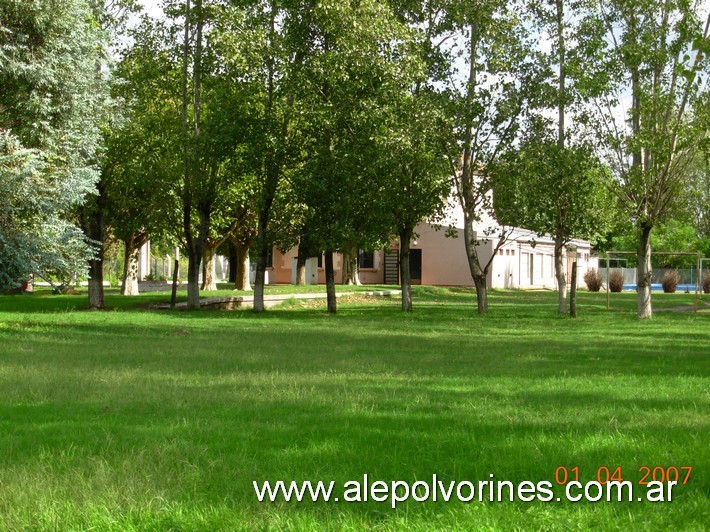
(657, 287)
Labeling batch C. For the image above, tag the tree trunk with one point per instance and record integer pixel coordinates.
(573, 292)
(193, 173)
(131, 256)
(350, 268)
(94, 227)
(478, 274)
(196, 246)
(96, 286)
(301, 264)
(263, 249)
(209, 270)
(561, 50)
(330, 282)
(91, 217)
(644, 273)
(405, 235)
(193, 280)
(242, 274)
(481, 284)
(560, 275)
(176, 273)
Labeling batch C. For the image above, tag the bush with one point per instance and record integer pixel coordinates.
(593, 280)
(616, 280)
(706, 283)
(671, 280)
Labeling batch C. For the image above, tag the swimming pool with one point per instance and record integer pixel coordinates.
(658, 287)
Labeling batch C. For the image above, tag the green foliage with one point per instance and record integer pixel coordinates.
(353, 93)
(34, 237)
(672, 236)
(50, 101)
(654, 50)
(697, 195)
(553, 190)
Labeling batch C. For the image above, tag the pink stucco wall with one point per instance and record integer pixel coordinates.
(444, 262)
(444, 259)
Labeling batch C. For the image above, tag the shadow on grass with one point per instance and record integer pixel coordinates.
(233, 436)
(194, 406)
(437, 342)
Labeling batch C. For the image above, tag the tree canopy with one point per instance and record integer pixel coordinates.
(52, 93)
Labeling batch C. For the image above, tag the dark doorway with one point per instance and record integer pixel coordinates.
(415, 266)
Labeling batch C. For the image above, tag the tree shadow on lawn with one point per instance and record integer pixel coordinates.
(342, 432)
(46, 302)
(179, 346)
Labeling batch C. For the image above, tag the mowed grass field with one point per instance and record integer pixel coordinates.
(150, 420)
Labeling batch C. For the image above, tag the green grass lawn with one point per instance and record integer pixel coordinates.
(139, 419)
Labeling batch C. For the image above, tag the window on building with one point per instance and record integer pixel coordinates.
(270, 258)
(320, 260)
(366, 259)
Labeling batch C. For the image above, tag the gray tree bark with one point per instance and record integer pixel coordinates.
(350, 268)
(131, 256)
(330, 282)
(301, 265)
(243, 265)
(405, 235)
(478, 274)
(644, 273)
(560, 275)
(209, 269)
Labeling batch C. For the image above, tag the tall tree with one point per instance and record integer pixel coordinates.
(414, 134)
(487, 104)
(49, 102)
(413, 163)
(355, 68)
(180, 47)
(198, 179)
(657, 53)
(112, 17)
(551, 182)
(142, 166)
(553, 190)
(253, 38)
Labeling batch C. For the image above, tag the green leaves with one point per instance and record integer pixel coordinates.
(551, 190)
(50, 107)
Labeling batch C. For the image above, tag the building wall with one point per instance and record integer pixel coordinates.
(444, 260)
(518, 264)
(285, 263)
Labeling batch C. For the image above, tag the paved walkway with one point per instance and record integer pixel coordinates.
(232, 302)
(701, 308)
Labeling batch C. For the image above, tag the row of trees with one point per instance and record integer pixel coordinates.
(336, 125)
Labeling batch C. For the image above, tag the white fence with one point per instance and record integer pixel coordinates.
(688, 276)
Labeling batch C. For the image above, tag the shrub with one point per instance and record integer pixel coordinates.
(593, 280)
(671, 280)
(616, 280)
(706, 283)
